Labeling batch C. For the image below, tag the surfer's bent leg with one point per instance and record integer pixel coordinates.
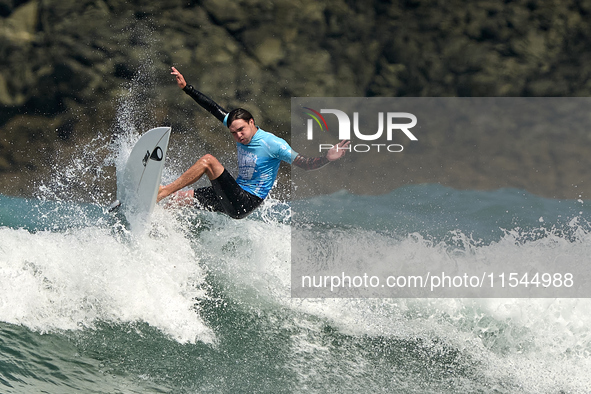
(225, 195)
(207, 164)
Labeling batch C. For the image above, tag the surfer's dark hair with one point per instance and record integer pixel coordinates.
(239, 113)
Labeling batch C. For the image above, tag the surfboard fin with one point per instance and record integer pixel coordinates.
(114, 205)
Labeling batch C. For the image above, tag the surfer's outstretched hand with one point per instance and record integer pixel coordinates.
(180, 80)
(338, 151)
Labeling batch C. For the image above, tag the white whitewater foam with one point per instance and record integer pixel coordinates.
(74, 279)
(541, 345)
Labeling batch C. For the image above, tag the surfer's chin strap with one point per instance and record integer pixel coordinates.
(310, 163)
(211, 106)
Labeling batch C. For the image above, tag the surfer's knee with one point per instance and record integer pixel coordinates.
(213, 167)
(209, 160)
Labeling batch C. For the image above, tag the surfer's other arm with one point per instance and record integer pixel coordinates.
(313, 163)
(211, 106)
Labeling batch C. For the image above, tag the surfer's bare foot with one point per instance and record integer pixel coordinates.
(161, 194)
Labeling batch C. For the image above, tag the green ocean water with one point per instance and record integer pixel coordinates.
(201, 303)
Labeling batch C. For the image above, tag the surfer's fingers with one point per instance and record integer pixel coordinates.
(179, 77)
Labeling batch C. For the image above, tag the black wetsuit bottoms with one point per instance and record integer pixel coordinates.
(225, 195)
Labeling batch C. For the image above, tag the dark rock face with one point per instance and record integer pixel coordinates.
(67, 64)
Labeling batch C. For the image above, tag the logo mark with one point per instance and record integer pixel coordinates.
(317, 117)
(389, 122)
(345, 124)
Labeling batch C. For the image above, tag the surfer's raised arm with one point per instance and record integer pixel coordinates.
(211, 106)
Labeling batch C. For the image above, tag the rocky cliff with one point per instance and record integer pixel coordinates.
(69, 67)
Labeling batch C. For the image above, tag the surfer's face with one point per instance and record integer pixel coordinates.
(243, 131)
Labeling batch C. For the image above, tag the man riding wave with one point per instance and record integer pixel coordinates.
(259, 155)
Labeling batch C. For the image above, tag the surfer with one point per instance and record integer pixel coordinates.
(259, 155)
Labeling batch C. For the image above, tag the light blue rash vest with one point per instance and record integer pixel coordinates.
(258, 162)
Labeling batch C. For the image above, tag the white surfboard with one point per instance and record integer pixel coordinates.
(137, 186)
